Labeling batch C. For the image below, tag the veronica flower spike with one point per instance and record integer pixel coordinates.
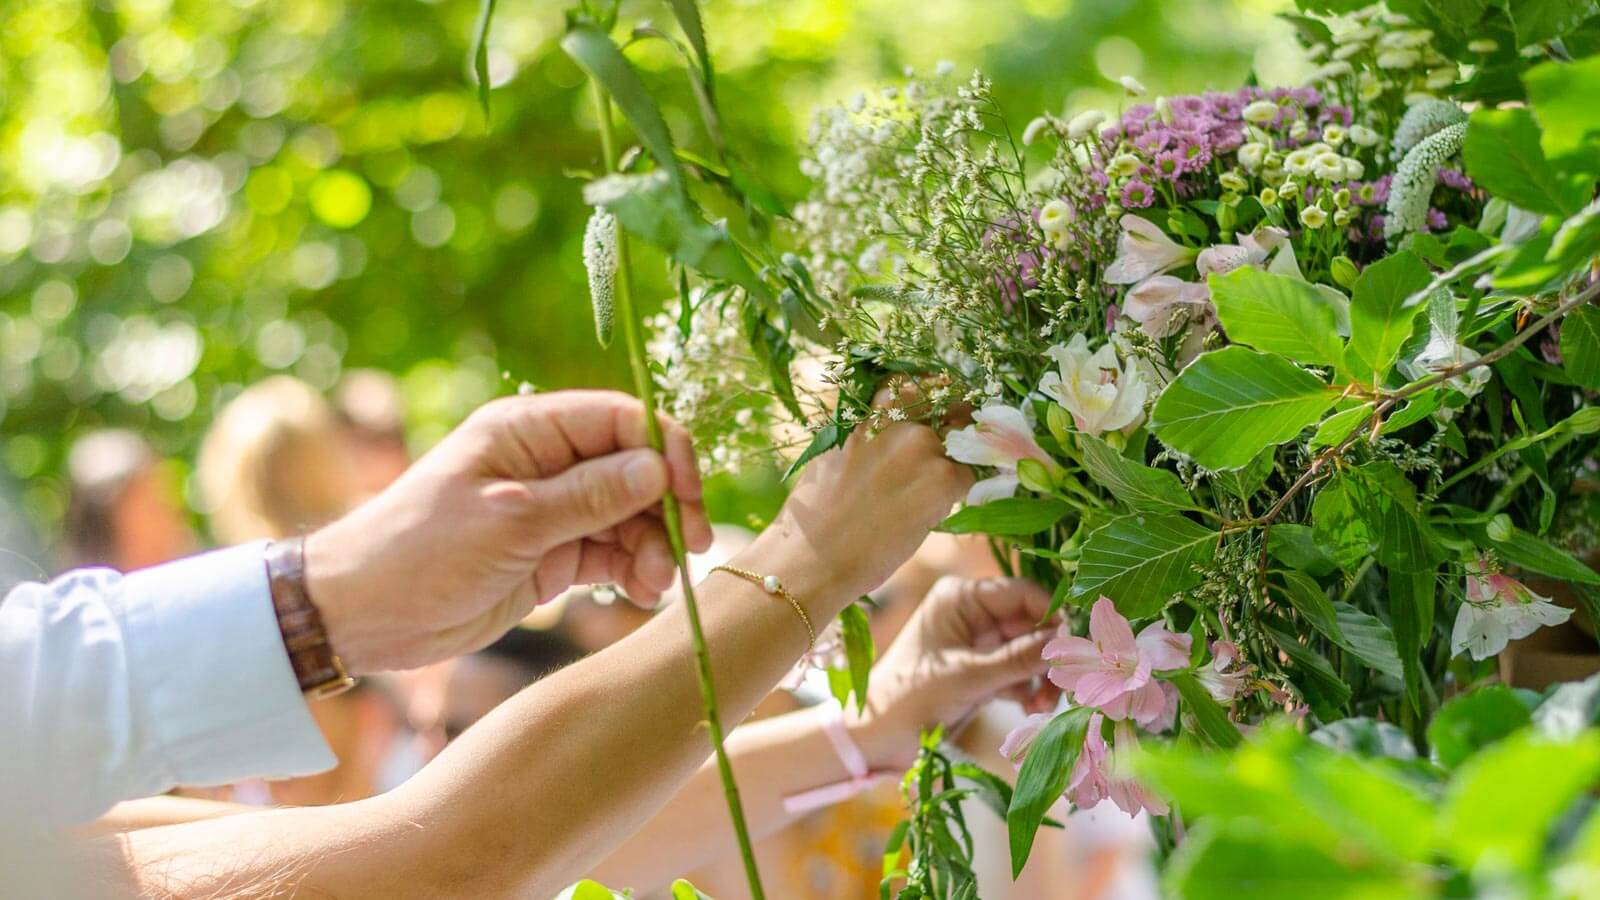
(1000, 436)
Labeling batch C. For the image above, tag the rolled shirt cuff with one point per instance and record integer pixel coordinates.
(207, 660)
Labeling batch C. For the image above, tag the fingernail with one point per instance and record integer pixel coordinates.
(643, 475)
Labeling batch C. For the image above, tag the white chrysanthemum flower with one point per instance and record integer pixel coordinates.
(1330, 71)
(1398, 59)
(600, 261)
(1313, 217)
(1334, 135)
(1328, 166)
(1233, 181)
(1124, 164)
(1260, 112)
(1348, 51)
(1132, 85)
(1362, 136)
(1251, 155)
(1034, 129)
(1354, 169)
(1424, 119)
(1084, 123)
(1299, 162)
(1441, 78)
(1415, 178)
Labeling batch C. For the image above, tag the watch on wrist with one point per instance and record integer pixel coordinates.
(318, 668)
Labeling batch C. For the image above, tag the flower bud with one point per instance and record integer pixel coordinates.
(1344, 272)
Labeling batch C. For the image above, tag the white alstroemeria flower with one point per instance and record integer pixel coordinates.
(1499, 609)
(1253, 249)
(1101, 394)
(1144, 250)
(1444, 352)
(1000, 436)
(1260, 112)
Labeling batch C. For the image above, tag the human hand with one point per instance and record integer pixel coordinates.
(856, 514)
(969, 641)
(529, 496)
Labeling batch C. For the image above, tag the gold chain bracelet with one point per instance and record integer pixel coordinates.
(772, 585)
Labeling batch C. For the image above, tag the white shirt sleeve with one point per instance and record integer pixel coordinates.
(114, 687)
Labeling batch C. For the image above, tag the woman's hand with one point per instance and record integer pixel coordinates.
(857, 513)
(969, 641)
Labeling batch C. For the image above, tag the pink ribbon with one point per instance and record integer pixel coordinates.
(855, 763)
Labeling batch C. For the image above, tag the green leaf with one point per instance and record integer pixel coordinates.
(1335, 428)
(1277, 314)
(1504, 801)
(1503, 156)
(589, 890)
(1362, 736)
(687, 13)
(1296, 546)
(1419, 407)
(657, 210)
(1537, 21)
(1387, 503)
(1368, 639)
(1209, 715)
(1381, 314)
(1142, 488)
(683, 890)
(858, 650)
(1411, 598)
(1229, 404)
(1042, 778)
(1012, 516)
(480, 53)
(1325, 691)
(1308, 599)
(1245, 481)
(1562, 95)
(1338, 525)
(827, 437)
(1473, 721)
(595, 53)
(1580, 346)
(1140, 562)
(1525, 551)
(1254, 863)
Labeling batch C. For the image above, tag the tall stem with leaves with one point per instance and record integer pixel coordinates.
(633, 339)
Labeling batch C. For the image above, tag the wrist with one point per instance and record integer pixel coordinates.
(317, 667)
(822, 587)
(333, 582)
(886, 744)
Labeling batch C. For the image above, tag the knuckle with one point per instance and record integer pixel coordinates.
(596, 493)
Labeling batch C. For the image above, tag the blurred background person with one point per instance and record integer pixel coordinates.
(124, 508)
(372, 418)
(274, 464)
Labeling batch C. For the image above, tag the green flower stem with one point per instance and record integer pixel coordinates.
(671, 516)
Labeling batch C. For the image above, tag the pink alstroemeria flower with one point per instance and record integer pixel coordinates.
(1155, 302)
(1015, 746)
(1224, 685)
(999, 436)
(1144, 250)
(1498, 610)
(1252, 250)
(1112, 670)
(1097, 775)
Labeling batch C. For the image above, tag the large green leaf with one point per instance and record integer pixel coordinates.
(1388, 504)
(1503, 155)
(1537, 21)
(1563, 97)
(1381, 318)
(1042, 778)
(1368, 639)
(1229, 404)
(1140, 562)
(1142, 488)
(1504, 801)
(1278, 314)
(1296, 546)
(656, 209)
(1580, 346)
(1253, 863)
(1473, 721)
(1015, 516)
(858, 650)
(1411, 599)
(1526, 551)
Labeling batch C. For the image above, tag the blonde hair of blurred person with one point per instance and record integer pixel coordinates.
(372, 413)
(124, 511)
(275, 464)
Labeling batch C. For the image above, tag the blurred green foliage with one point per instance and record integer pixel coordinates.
(194, 195)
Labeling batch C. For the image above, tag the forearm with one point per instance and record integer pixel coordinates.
(154, 812)
(538, 792)
(774, 759)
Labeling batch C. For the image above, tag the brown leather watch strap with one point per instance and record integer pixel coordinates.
(317, 667)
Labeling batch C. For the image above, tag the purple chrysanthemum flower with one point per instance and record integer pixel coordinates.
(1336, 113)
(1193, 154)
(1380, 189)
(1168, 165)
(1454, 179)
(1227, 139)
(1153, 141)
(1189, 105)
(1227, 107)
(1137, 194)
(1436, 220)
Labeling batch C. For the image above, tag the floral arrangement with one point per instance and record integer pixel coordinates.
(1285, 392)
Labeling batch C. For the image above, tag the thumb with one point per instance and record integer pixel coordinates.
(597, 494)
(1013, 662)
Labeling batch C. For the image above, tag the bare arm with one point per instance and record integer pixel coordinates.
(969, 641)
(542, 788)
